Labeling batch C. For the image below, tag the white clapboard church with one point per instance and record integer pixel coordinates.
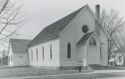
(78, 35)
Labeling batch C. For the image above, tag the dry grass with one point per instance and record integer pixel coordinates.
(30, 71)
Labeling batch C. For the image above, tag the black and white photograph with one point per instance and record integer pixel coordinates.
(62, 39)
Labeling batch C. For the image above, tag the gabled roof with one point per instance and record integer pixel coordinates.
(86, 36)
(52, 31)
(104, 31)
(84, 39)
(19, 45)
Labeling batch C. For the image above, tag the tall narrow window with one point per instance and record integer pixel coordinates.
(92, 42)
(43, 52)
(50, 51)
(69, 50)
(36, 53)
(31, 54)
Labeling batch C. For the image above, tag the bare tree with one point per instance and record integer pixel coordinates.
(114, 25)
(10, 19)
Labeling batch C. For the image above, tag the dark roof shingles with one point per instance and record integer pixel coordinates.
(84, 39)
(52, 31)
(19, 45)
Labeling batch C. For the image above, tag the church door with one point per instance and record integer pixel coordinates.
(93, 55)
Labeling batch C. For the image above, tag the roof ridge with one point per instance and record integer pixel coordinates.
(19, 39)
(85, 37)
(54, 28)
(65, 16)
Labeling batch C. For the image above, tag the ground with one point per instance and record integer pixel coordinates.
(43, 73)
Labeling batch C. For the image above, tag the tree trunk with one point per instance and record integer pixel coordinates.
(109, 50)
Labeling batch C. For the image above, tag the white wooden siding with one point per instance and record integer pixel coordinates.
(46, 59)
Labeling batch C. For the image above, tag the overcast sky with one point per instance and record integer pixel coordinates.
(41, 13)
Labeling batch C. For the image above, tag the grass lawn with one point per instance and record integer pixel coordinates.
(31, 71)
(99, 67)
(85, 76)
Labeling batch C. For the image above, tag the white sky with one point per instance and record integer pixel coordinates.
(41, 13)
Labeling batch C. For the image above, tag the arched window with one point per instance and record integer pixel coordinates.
(50, 51)
(92, 41)
(31, 54)
(69, 50)
(36, 53)
(43, 52)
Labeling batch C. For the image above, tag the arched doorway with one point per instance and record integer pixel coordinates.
(93, 53)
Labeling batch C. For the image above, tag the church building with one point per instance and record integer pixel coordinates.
(77, 36)
(18, 52)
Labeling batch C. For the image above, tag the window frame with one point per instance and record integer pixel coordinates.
(92, 42)
(43, 52)
(31, 54)
(51, 51)
(68, 50)
(37, 57)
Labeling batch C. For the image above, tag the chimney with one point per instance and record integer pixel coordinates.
(97, 13)
(97, 7)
